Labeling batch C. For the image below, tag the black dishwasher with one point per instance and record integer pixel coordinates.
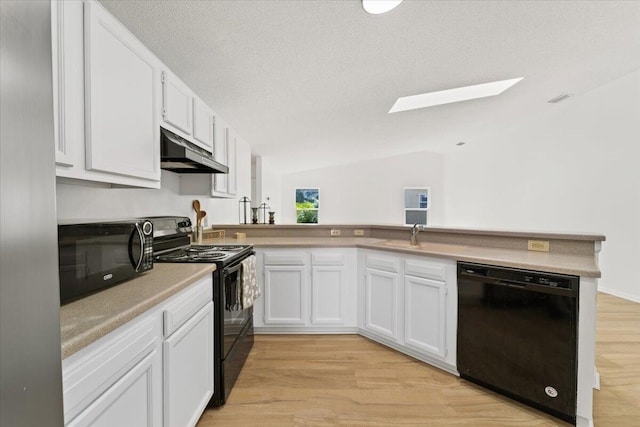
(517, 335)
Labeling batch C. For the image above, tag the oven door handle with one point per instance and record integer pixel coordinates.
(237, 266)
(230, 270)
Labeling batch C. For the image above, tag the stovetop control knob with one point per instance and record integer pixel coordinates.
(147, 228)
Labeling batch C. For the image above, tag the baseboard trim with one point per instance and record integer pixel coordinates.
(623, 295)
(583, 422)
(302, 330)
(409, 352)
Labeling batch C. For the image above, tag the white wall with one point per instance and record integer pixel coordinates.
(368, 192)
(576, 168)
(90, 202)
(271, 188)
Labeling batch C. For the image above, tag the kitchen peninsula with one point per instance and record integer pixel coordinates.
(406, 296)
(371, 281)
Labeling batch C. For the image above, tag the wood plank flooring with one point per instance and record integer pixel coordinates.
(327, 380)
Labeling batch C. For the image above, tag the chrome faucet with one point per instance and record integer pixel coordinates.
(414, 233)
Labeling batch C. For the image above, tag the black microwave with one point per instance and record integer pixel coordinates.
(95, 256)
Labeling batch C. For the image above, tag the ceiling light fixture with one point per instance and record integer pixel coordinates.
(460, 144)
(377, 7)
(452, 95)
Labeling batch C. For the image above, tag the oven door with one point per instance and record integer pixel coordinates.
(235, 318)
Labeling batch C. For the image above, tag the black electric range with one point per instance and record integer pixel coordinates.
(233, 325)
(219, 254)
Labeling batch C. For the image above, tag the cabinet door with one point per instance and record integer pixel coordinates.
(122, 134)
(285, 294)
(232, 177)
(381, 302)
(220, 179)
(425, 315)
(202, 124)
(177, 103)
(188, 369)
(327, 295)
(130, 401)
(61, 32)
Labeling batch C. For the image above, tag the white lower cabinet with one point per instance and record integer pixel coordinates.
(406, 305)
(327, 295)
(118, 379)
(165, 355)
(306, 290)
(129, 402)
(401, 301)
(381, 315)
(188, 370)
(425, 315)
(381, 295)
(285, 292)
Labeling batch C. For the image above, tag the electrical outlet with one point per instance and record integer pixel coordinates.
(358, 232)
(335, 232)
(538, 245)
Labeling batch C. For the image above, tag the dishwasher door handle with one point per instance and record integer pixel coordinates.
(510, 284)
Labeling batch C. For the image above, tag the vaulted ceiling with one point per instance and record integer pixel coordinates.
(308, 83)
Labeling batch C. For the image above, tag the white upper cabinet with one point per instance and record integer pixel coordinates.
(220, 154)
(63, 48)
(184, 113)
(122, 132)
(111, 95)
(203, 124)
(232, 180)
(177, 104)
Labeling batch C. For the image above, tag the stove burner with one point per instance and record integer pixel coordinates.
(171, 258)
(209, 255)
(209, 248)
(221, 254)
(188, 255)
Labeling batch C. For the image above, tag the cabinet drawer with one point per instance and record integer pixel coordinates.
(187, 304)
(327, 258)
(284, 258)
(87, 378)
(380, 262)
(425, 269)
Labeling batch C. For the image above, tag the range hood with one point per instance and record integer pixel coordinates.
(181, 156)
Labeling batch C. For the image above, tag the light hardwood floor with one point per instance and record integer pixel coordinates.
(326, 380)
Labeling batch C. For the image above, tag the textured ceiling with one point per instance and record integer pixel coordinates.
(309, 83)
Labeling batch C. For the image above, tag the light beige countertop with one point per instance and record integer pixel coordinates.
(579, 265)
(296, 242)
(539, 234)
(89, 319)
(86, 320)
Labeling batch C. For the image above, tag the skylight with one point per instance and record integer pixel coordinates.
(449, 96)
(377, 7)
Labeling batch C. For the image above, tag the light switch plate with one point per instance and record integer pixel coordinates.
(335, 232)
(538, 245)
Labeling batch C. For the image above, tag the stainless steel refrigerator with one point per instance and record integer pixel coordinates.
(30, 367)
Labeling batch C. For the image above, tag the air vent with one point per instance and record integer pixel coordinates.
(558, 98)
